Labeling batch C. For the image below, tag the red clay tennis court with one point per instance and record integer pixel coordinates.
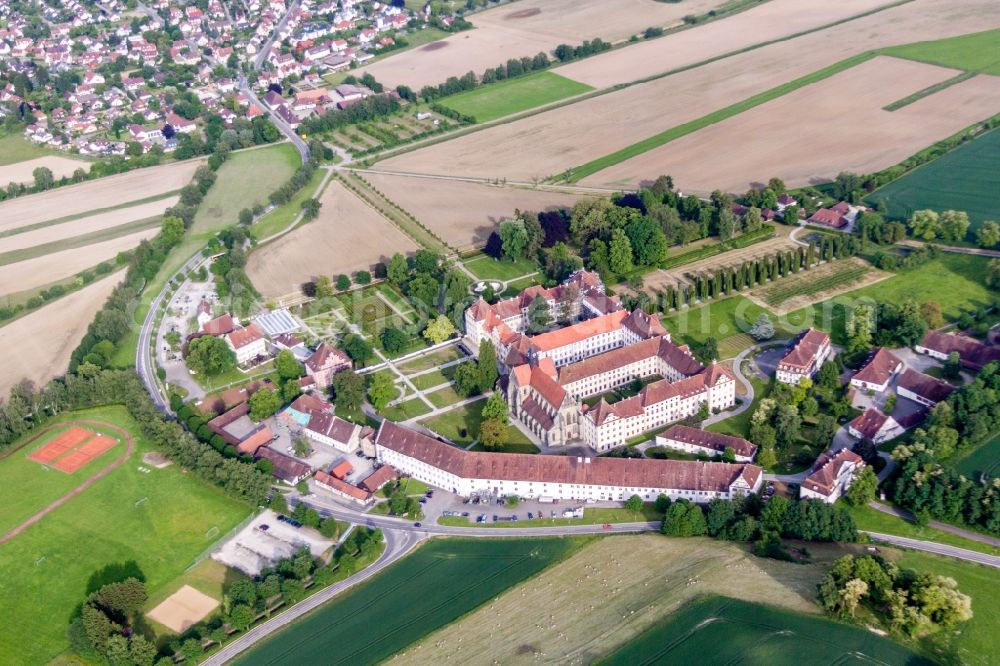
(62, 443)
(83, 455)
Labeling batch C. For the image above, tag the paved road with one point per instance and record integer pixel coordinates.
(953, 248)
(938, 525)
(145, 366)
(937, 548)
(397, 545)
(265, 48)
(741, 378)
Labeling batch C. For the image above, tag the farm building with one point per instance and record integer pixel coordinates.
(875, 375)
(926, 390)
(874, 426)
(694, 440)
(973, 354)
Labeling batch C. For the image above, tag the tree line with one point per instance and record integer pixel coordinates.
(115, 318)
(931, 488)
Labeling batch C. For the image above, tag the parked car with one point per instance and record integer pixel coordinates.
(263, 528)
(530, 515)
(607, 526)
(423, 500)
(417, 524)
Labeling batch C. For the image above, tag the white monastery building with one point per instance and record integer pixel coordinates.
(560, 477)
(809, 351)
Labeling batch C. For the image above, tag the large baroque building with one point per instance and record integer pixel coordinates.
(559, 477)
(550, 374)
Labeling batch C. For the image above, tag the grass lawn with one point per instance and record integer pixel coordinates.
(591, 516)
(487, 268)
(405, 411)
(27, 487)
(974, 642)
(522, 284)
(719, 319)
(459, 425)
(49, 568)
(497, 100)
(411, 486)
(246, 179)
(512, 445)
(15, 148)
(739, 425)
(234, 376)
(431, 360)
(867, 518)
(433, 378)
(444, 397)
(280, 218)
(984, 459)
(439, 583)
(965, 178)
(955, 281)
(207, 576)
(976, 52)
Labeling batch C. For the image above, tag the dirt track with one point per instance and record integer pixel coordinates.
(83, 486)
(548, 143)
(463, 213)
(347, 236)
(525, 29)
(845, 129)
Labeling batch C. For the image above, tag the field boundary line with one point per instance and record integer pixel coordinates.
(76, 242)
(89, 213)
(374, 159)
(130, 441)
(928, 91)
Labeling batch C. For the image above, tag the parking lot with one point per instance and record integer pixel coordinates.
(266, 540)
(485, 507)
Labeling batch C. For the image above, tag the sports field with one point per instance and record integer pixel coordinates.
(966, 179)
(725, 631)
(159, 521)
(434, 586)
(513, 95)
(983, 460)
(976, 52)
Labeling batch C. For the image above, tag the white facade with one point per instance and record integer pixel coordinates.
(695, 449)
(249, 351)
(524, 488)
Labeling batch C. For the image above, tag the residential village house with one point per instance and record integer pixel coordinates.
(808, 352)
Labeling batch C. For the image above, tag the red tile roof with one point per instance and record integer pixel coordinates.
(341, 469)
(925, 386)
(343, 487)
(378, 478)
(870, 422)
(242, 337)
(879, 367)
(805, 350)
(255, 440)
(219, 325)
(621, 472)
(577, 332)
(327, 356)
(710, 440)
(822, 478)
(974, 354)
(286, 468)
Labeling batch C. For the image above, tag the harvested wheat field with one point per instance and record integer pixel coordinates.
(21, 172)
(771, 20)
(85, 225)
(525, 29)
(549, 143)
(38, 346)
(605, 595)
(43, 270)
(816, 285)
(96, 194)
(347, 236)
(463, 213)
(844, 129)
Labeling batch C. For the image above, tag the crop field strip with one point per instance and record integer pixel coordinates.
(514, 95)
(89, 214)
(930, 90)
(429, 589)
(735, 631)
(965, 178)
(620, 85)
(805, 283)
(74, 242)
